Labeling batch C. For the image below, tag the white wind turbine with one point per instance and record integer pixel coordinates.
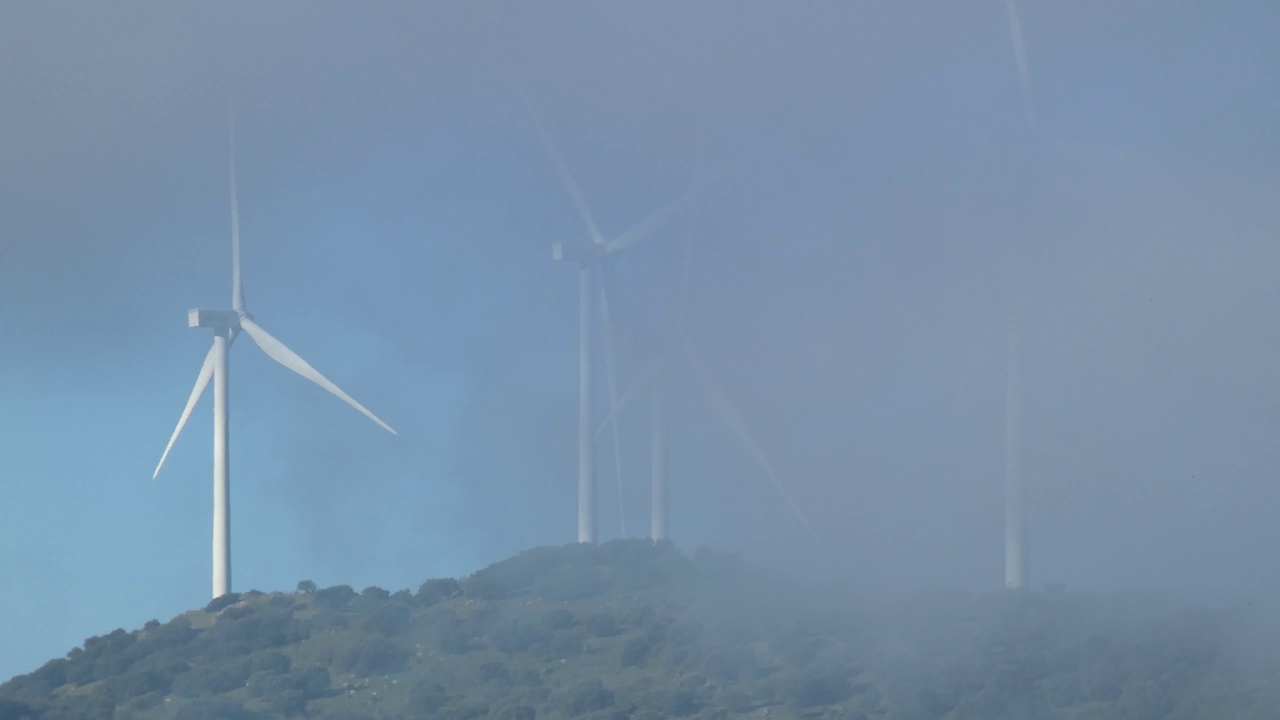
(1015, 496)
(675, 349)
(226, 326)
(593, 257)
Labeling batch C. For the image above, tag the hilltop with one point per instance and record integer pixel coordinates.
(630, 629)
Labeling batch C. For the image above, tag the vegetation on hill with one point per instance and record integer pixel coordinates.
(632, 630)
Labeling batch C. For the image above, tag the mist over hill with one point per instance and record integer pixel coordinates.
(633, 629)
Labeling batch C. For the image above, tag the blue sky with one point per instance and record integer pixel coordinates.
(877, 208)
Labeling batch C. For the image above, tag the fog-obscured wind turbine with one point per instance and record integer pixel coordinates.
(592, 257)
(675, 349)
(226, 326)
(1015, 499)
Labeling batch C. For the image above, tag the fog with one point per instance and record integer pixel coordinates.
(884, 189)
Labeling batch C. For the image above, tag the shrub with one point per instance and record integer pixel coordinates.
(218, 603)
(14, 710)
(570, 583)
(426, 698)
(512, 636)
(512, 711)
(334, 598)
(172, 635)
(566, 644)
(389, 620)
(634, 652)
(437, 590)
(289, 703)
(42, 682)
(270, 661)
(728, 666)
(314, 680)
(672, 702)
(558, 619)
(825, 688)
(517, 574)
(311, 683)
(221, 677)
(601, 625)
(494, 671)
(140, 704)
(96, 705)
(587, 696)
(452, 641)
(214, 709)
(369, 656)
(258, 630)
(136, 684)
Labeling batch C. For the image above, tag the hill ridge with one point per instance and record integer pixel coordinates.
(634, 629)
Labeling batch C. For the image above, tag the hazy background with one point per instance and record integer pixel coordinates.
(879, 207)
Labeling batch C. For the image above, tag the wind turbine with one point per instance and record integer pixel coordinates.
(226, 326)
(677, 350)
(1015, 510)
(594, 258)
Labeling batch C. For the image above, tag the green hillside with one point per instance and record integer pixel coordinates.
(630, 630)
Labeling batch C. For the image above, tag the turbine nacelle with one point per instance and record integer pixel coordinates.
(585, 253)
(201, 318)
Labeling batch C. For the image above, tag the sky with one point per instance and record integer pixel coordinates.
(878, 201)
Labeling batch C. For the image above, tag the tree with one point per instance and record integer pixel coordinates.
(14, 710)
(587, 696)
(438, 590)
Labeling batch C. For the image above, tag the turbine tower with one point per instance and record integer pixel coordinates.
(226, 326)
(658, 505)
(1015, 511)
(594, 258)
(659, 527)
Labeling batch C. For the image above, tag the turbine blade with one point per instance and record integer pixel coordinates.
(1020, 57)
(645, 227)
(579, 200)
(734, 420)
(202, 381)
(606, 321)
(277, 351)
(237, 288)
(686, 268)
(636, 385)
(648, 225)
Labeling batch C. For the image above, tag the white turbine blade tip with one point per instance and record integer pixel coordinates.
(739, 427)
(277, 351)
(566, 177)
(202, 381)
